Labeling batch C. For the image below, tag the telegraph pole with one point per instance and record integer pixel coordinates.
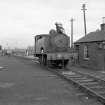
(103, 19)
(72, 31)
(84, 9)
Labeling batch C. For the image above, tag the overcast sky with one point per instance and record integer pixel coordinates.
(20, 20)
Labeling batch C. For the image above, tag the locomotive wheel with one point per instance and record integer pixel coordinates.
(66, 62)
(63, 64)
(40, 60)
(45, 60)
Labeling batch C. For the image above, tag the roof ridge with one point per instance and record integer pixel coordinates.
(92, 36)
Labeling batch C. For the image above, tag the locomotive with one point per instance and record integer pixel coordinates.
(53, 48)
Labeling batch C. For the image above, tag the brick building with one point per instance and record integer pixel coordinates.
(91, 49)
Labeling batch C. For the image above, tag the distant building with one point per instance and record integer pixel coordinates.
(0, 47)
(91, 49)
(0, 50)
(30, 50)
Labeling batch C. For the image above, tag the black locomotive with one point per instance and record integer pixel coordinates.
(52, 48)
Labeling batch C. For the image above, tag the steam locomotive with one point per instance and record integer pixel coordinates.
(53, 48)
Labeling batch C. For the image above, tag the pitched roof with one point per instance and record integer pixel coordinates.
(93, 36)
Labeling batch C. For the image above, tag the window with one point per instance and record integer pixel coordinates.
(38, 37)
(86, 55)
(100, 45)
(104, 46)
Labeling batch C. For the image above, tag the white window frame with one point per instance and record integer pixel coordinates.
(86, 52)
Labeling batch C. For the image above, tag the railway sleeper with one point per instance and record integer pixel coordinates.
(83, 80)
(75, 76)
(98, 90)
(98, 87)
(97, 78)
(89, 83)
(94, 86)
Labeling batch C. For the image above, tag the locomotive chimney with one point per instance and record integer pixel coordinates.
(59, 28)
(103, 24)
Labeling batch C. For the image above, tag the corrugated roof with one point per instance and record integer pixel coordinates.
(93, 36)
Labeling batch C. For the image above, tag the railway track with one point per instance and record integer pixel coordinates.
(91, 85)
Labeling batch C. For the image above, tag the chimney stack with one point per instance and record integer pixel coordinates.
(103, 24)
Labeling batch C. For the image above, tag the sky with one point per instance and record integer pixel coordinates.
(21, 20)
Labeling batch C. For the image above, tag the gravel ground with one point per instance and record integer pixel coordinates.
(22, 82)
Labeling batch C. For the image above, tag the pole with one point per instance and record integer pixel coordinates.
(84, 9)
(72, 31)
(103, 20)
(35, 45)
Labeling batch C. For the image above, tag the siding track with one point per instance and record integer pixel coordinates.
(91, 85)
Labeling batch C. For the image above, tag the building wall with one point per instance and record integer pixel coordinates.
(96, 58)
